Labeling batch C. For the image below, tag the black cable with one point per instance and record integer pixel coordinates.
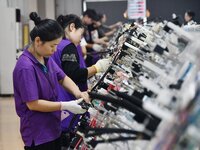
(153, 123)
(97, 53)
(106, 72)
(136, 101)
(100, 131)
(141, 114)
(102, 78)
(94, 143)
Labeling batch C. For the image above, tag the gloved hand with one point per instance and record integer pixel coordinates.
(97, 47)
(73, 106)
(102, 65)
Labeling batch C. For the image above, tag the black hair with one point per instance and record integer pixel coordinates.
(91, 13)
(100, 16)
(191, 14)
(47, 29)
(64, 21)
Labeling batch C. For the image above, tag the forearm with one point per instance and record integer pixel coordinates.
(112, 26)
(75, 72)
(101, 40)
(110, 33)
(71, 87)
(105, 38)
(115, 25)
(43, 105)
(89, 45)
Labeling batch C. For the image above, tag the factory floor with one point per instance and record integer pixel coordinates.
(10, 138)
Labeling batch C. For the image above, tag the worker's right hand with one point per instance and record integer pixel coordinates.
(102, 65)
(97, 47)
(73, 106)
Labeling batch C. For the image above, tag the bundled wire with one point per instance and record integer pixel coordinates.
(141, 114)
(94, 143)
(99, 131)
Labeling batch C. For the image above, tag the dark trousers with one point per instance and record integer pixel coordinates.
(53, 145)
(66, 139)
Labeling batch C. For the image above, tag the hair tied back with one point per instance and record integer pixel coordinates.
(34, 16)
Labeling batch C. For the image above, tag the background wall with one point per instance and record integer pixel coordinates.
(65, 7)
(46, 8)
(114, 9)
(25, 6)
(158, 8)
(164, 8)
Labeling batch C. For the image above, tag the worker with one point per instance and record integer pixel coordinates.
(189, 18)
(108, 29)
(35, 78)
(70, 59)
(88, 18)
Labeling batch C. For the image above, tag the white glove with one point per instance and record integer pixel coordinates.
(73, 106)
(102, 65)
(97, 47)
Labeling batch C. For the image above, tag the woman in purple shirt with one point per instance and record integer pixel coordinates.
(70, 59)
(34, 78)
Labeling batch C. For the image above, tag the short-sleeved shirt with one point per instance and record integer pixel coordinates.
(69, 58)
(71, 65)
(33, 81)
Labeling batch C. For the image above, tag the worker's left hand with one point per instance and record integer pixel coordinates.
(85, 96)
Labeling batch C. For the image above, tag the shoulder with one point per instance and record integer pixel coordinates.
(24, 63)
(70, 47)
(23, 66)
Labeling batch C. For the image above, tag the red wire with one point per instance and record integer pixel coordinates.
(78, 142)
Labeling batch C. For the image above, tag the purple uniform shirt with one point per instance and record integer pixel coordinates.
(33, 81)
(68, 123)
(63, 95)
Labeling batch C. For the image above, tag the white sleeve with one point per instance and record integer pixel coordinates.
(83, 42)
(95, 35)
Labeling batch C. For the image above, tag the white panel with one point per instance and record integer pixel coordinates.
(7, 49)
(50, 9)
(3, 3)
(8, 38)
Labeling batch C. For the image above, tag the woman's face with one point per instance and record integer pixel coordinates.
(48, 48)
(75, 35)
(187, 17)
(87, 20)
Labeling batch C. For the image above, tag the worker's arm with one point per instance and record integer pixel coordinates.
(47, 106)
(89, 45)
(71, 87)
(43, 105)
